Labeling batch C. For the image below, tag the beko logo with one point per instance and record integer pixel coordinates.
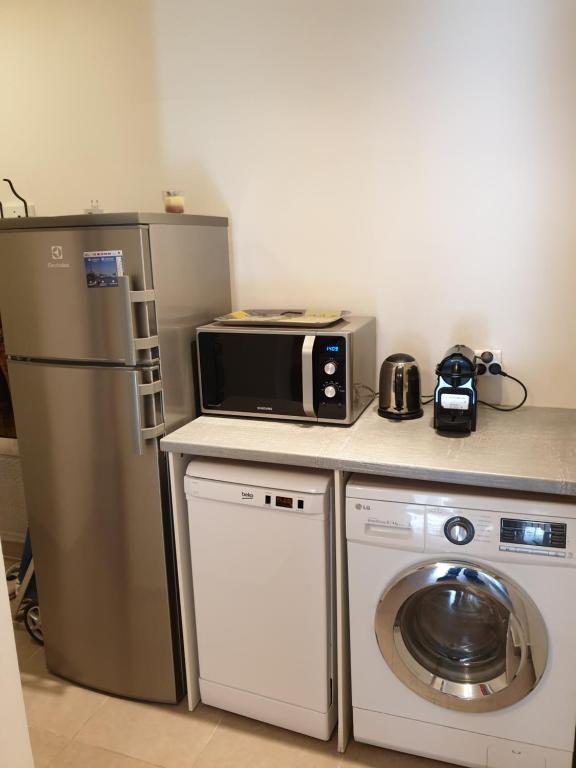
(247, 495)
(57, 255)
(263, 407)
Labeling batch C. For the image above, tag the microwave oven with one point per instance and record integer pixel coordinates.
(305, 374)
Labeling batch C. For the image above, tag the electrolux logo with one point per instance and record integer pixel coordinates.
(57, 262)
(247, 495)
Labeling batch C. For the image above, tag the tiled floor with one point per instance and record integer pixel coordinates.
(72, 727)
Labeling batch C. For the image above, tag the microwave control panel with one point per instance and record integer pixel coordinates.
(329, 363)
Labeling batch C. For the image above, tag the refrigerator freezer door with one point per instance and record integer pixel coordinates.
(57, 305)
(102, 545)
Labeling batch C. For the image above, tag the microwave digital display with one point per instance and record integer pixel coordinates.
(332, 348)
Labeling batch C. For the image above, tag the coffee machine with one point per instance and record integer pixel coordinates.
(456, 395)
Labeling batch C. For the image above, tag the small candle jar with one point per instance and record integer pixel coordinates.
(173, 201)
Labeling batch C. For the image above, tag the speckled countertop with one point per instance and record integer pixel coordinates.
(532, 449)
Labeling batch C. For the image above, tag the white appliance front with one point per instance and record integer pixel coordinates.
(388, 539)
(262, 574)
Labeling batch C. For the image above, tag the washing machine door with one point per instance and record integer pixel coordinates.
(461, 635)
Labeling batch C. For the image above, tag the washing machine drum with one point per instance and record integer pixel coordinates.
(462, 636)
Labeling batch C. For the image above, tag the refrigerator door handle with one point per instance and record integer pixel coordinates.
(136, 413)
(140, 433)
(151, 433)
(150, 389)
(133, 343)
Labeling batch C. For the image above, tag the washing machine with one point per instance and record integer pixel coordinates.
(462, 622)
(261, 542)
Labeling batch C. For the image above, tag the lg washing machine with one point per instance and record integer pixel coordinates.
(463, 622)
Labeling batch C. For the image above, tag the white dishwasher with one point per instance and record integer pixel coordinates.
(262, 566)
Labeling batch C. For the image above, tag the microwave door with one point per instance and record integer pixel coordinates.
(262, 374)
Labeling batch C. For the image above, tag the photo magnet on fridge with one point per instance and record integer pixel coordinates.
(103, 268)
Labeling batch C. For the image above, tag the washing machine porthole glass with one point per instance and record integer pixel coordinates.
(456, 633)
(464, 637)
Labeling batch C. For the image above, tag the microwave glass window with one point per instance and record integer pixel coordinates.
(248, 372)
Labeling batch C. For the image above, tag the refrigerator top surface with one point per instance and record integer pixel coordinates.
(110, 219)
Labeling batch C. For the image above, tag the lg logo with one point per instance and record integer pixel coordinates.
(57, 252)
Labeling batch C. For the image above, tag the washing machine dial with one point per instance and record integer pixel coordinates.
(459, 530)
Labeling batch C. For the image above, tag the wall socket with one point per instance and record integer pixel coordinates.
(497, 353)
(16, 210)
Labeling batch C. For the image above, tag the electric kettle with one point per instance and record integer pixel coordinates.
(400, 388)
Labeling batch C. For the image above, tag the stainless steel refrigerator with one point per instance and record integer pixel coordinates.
(99, 314)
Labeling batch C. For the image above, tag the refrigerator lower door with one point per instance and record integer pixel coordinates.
(100, 528)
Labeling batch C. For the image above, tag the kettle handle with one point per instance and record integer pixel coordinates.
(399, 388)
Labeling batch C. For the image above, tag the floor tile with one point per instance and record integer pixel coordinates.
(46, 746)
(25, 646)
(169, 736)
(77, 755)
(242, 743)
(365, 756)
(53, 704)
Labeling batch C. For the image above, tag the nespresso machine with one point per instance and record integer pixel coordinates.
(456, 396)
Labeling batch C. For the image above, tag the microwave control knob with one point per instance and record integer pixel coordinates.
(330, 391)
(330, 368)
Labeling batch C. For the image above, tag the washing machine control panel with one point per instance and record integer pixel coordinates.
(541, 532)
(500, 537)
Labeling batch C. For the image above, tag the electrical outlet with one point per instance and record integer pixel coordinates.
(16, 210)
(496, 358)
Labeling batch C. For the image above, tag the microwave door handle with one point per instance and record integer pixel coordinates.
(308, 376)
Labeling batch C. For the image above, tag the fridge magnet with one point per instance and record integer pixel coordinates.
(103, 268)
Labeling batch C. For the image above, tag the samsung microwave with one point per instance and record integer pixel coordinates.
(305, 374)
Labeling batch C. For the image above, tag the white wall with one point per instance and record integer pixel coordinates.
(14, 740)
(12, 504)
(405, 158)
(79, 111)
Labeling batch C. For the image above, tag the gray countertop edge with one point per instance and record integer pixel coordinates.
(532, 450)
(247, 454)
(406, 472)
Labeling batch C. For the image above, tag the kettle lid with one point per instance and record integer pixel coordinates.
(400, 357)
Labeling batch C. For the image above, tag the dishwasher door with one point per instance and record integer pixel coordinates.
(262, 591)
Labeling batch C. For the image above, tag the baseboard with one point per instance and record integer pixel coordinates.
(12, 544)
(9, 446)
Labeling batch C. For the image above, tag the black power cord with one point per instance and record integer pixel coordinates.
(496, 370)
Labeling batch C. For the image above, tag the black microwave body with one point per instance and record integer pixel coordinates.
(296, 373)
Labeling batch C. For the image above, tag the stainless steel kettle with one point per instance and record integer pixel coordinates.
(400, 388)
